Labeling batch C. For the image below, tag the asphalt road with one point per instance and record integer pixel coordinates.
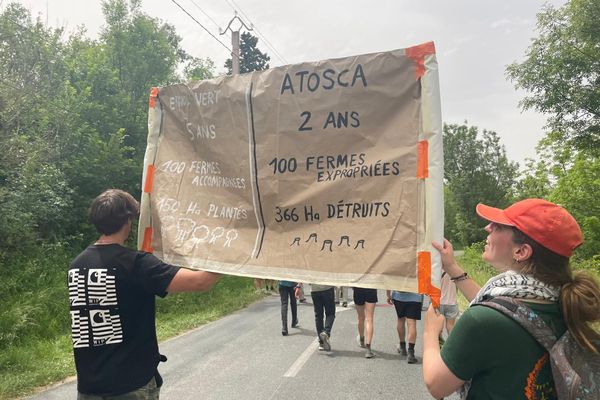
(244, 356)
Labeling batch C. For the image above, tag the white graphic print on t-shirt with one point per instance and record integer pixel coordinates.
(96, 322)
(101, 288)
(106, 328)
(76, 288)
(79, 329)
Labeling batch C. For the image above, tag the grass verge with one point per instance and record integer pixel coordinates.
(31, 362)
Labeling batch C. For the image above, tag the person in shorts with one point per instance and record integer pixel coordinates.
(408, 309)
(448, 305)
(365, 300)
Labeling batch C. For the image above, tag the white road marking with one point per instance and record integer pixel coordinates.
(297, 366)
(300, 361)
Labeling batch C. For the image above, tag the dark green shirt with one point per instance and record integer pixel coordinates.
(503, 360)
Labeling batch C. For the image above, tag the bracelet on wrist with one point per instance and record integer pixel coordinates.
(460, 277)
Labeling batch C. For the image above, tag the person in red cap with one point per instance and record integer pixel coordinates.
(488, 355)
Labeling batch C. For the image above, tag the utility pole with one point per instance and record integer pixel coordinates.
(235, 43)
(235, 55)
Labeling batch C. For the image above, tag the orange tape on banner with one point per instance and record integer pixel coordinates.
(423, 159)
(147, 242)
(417, 54)
(153, 97)
(424, 276)
(149, 179)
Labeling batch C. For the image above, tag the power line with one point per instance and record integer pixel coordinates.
(277, 53)
(267, 42)
(203, 27)
(233, 5)
(204, 12)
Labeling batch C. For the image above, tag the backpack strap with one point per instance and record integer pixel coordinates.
(524, 316)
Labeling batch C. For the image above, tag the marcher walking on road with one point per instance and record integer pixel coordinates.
(365, 301)
(341, 296)
(288, 295)
(408, 311)
(324, 306)
(300, 293)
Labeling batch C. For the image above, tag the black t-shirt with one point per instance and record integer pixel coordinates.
(112, 293)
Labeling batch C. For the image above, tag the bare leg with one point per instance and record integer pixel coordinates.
(360, 312)
(369, 312)
(412, 338)
(412, 330)
(401, 330)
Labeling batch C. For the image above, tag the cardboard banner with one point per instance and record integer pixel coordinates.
(325, 172)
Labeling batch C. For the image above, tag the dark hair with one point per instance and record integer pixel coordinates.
(112, 209)
(579, 293)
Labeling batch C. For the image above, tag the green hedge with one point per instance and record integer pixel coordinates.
(35, 337)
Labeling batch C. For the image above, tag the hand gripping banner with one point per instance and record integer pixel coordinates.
(326, 172)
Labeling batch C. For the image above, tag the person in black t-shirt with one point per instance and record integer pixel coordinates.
(112, 293)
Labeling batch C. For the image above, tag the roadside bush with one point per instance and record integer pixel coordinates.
(34, 299)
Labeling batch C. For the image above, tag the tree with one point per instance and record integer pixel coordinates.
(144, 53)
(251, 58)
(578, 191)
(476, 170)
(34, 193)
(73, 117)
(562, 75)
(535, 182)
(198, 69)
(562, 72)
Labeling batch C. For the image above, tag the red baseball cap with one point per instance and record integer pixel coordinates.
(547, 223)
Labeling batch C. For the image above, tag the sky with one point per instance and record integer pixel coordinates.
(475, 40)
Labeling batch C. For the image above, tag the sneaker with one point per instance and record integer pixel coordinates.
(295, 324)
(402, 351)
(325, 339)
(369, 353)
(361, 341)
(345, 304)
(284, 332)
(302, 300)
(411, 358)
(321, 348)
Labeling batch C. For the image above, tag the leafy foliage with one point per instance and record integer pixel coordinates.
(562, 76)
(251, 58)
(73, 116)
(562, 71)
(476, 170)
(198, 69)
(579, 192)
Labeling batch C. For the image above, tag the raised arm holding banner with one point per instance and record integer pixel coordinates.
(327, 172)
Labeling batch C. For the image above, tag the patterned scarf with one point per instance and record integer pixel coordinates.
(520, 286)
(513, 284)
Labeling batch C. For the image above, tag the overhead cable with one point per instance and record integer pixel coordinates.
(234, 5)
(207, 16)
(202, 26)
